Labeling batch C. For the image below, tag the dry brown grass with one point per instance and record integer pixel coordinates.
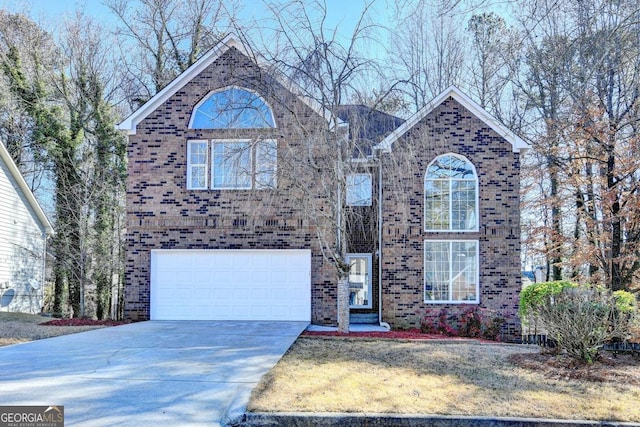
(426, 377)
(21, 327)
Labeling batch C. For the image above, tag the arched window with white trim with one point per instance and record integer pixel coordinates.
(451, 194)
(232, 108)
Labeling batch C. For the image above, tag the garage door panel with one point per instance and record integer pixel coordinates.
(231, 284)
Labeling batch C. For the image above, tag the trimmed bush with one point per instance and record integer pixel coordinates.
(536, 294)
(582, 319)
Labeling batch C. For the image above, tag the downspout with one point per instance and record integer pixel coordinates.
(46, 234)
(380, 322)
(43, 280)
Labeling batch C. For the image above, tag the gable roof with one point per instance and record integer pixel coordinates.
(130, 123)
(367, 126)
(517, 143)
(28, 194)
(366, 122)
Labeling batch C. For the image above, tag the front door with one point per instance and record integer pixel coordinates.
(359, 280)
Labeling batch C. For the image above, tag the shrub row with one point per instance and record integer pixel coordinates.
(472, 322)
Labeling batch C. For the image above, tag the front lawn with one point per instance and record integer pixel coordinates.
(320, 374)
(16, 328)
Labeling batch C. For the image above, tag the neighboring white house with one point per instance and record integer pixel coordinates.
(24, 230)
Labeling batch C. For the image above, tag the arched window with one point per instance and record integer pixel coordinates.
(232, 108)
(451, 195)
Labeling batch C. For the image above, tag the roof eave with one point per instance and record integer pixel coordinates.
(130, 124)
(22, 184)
(517, 144)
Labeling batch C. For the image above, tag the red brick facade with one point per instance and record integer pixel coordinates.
(163, 214)
(450, 128)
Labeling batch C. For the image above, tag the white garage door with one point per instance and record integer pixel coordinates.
(231, 285)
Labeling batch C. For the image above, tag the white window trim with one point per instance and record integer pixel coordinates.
(477, 191)
(424, 279)
(190, 165)
(209, 164)
(370, 199)
(222, 89)
(369, 277)
(213, 160)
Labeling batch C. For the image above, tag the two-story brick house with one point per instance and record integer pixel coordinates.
(216, 229)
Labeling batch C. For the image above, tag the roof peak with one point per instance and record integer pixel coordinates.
(517, 143)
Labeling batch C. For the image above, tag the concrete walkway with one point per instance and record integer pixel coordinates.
(149, 373)
(354, 327)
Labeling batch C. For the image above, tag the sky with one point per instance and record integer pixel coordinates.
(55, 9)
(340, 12)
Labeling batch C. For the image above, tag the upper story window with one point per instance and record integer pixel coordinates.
(235, 164)
(197, 169)
(451, 195)
(359, 189)
(232, 108)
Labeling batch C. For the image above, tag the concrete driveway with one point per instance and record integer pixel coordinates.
(149, 373)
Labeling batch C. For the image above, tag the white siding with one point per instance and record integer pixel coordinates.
(22, 245)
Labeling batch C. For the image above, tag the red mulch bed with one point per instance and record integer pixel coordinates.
(409, 334)
(83, 322)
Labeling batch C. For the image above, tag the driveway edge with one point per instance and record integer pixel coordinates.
(263, 419)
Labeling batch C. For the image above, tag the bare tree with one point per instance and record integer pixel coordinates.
(162, 38)
(92, 70)
(428, 49)
(325, 68)
(582, 79)
(489, 40)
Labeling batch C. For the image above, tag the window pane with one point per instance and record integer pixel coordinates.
(231, 165)
(450, 195)
(436, 199)
(464, 270)
(451, 271)
(231, 109)
(450, 167)
(266, 164)
(359, 188)
(463, 205)
(196, 165)
(198, 177)
(198, 153)
(436, 264)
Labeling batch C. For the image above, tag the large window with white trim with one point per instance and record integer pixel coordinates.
(238, 164)
(451, 195)
(451, 271)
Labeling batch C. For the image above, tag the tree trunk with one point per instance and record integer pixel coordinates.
(616, 226)
(343, 304)
(555, 258)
